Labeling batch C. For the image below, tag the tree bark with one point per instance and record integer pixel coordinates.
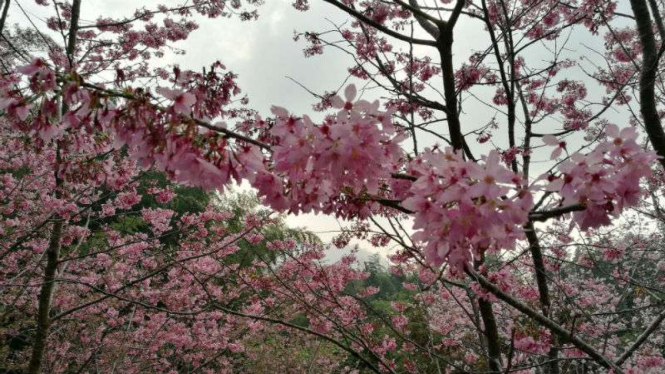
(73, 30)
(45, 298)
(53, 251)
(543, 292)
(648, 78)
(492, 335)
(444, 46)
(3, 18)
(491, 331)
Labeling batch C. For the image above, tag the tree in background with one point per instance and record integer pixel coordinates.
(142, 263)
(511, 257)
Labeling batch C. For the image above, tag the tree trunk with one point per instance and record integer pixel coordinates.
(648, 78)
(45, 298)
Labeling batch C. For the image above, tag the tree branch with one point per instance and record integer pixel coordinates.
(4, 16)
(361, 17)
(641, 339)
(543, 291)
(647, 93)
(544, 321)
(544, 215)
(45, 298)
(426, 23)
(454, 16)
(73, 30)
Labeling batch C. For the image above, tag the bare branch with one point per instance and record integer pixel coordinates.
(3, 18)
(426, 23)
(544, 321)
(641, 339)
(648, 78)
(361, 17)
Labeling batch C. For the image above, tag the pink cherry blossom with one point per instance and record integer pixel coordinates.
(182, 101)
(553, 141)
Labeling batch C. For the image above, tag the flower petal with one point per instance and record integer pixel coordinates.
(550, 140)
(350, 92)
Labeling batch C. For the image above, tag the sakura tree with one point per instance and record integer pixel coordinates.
(527, 227)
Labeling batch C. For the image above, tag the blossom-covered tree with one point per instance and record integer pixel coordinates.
(525, 233)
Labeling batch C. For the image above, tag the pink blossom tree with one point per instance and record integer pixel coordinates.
(525, 231)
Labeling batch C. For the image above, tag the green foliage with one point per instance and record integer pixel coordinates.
(129, 224)
(389, 285)
(242, 203)
(187, 200)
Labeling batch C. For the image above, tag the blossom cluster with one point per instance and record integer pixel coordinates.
(463, 208)
(606, 180)
(331, 167)
(344, 165)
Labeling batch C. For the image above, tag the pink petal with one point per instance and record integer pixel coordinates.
(280, 112)
(168, 93)
(32, 68)
(27, 69)
(350, 92)
(628, 133)
(556, 153)
(181, 108)
(188, 99)
(5, 103)
(337, 102)
(550, 140)
(22, 112)
(612, 130)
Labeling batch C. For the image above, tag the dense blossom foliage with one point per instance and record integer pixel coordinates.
(606, 180)
(464, 208)
(329, 167)
(104, 267)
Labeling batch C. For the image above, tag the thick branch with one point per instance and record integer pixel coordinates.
(491, 332)
(362, 18)
(544, 215)
(4, 16)
(544, 321)
(648, 78)
(641, 339)
(543, 291)
(445, 48)
(45, 298)
(53, 251)
(454, 16)
(659, 20)
(73, 30)
(415, 9)
(424, 22)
